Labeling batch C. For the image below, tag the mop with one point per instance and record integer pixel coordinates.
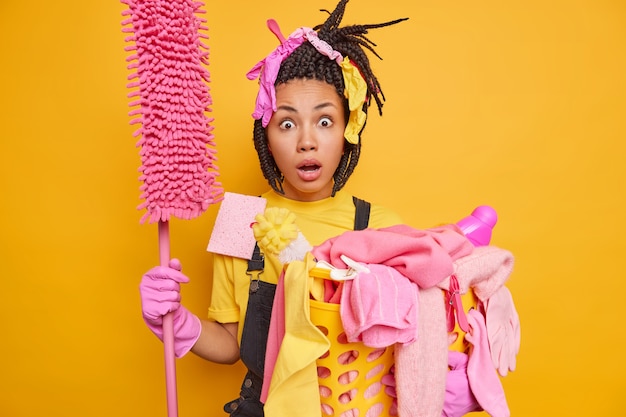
(170, 100)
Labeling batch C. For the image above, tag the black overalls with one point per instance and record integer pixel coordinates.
(256, 328)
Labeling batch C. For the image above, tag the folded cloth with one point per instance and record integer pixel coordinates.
(423, 256)
(485, 271)
(379, 307)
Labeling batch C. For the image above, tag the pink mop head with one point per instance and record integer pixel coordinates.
(178, 174)
(232, 233)
(170, 102)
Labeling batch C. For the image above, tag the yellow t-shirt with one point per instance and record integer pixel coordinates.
(318, 221)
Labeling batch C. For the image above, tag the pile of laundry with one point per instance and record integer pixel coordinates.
(401, 287)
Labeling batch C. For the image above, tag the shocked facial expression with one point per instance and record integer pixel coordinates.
(306, 137)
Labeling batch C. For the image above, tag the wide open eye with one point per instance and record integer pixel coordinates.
(287, 124)
(325, 122)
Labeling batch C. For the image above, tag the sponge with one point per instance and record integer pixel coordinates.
(232, 233)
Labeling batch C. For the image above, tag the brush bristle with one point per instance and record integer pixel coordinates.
(170, 100)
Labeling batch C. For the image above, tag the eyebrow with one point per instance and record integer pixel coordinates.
(294, 110)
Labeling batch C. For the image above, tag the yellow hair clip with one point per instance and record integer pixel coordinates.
(356, 93)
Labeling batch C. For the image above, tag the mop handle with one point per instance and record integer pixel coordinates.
(168, 328)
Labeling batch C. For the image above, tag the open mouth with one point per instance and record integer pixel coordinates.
(309, 167)
(309, 170)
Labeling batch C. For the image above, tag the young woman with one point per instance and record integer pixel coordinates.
(315, 90)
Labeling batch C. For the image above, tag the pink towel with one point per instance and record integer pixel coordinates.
(423, 256)
(275, 336)
(379, 308)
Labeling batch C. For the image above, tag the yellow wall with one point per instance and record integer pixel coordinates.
(517, 104)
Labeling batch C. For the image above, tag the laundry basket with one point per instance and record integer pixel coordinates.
(350, 374)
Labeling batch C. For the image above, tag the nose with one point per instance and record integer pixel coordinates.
(307, 141)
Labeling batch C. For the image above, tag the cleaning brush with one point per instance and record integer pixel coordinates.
(170, 100)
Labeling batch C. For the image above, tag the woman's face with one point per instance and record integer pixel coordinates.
(306, 137)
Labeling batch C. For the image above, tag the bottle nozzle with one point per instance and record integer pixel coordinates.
(478, 226)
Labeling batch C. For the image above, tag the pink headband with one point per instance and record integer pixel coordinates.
(267, 71)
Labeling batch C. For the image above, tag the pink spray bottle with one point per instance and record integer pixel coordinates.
(477, 226)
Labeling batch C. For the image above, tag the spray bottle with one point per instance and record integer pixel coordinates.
(477, 226)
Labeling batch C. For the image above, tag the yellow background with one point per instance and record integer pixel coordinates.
(517, 104)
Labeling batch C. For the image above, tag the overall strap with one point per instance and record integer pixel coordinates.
(362, 215)
(257, 263)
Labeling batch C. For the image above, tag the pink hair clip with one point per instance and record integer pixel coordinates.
(322, 46)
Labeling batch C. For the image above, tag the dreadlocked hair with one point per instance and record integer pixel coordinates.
(307, 63)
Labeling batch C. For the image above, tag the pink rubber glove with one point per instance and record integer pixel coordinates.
(483, 378)
(160, 294)
(389, 381)
(267, 71)
(503, 330)
(459, 398)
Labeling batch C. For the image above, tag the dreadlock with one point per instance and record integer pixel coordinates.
(307, 63)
